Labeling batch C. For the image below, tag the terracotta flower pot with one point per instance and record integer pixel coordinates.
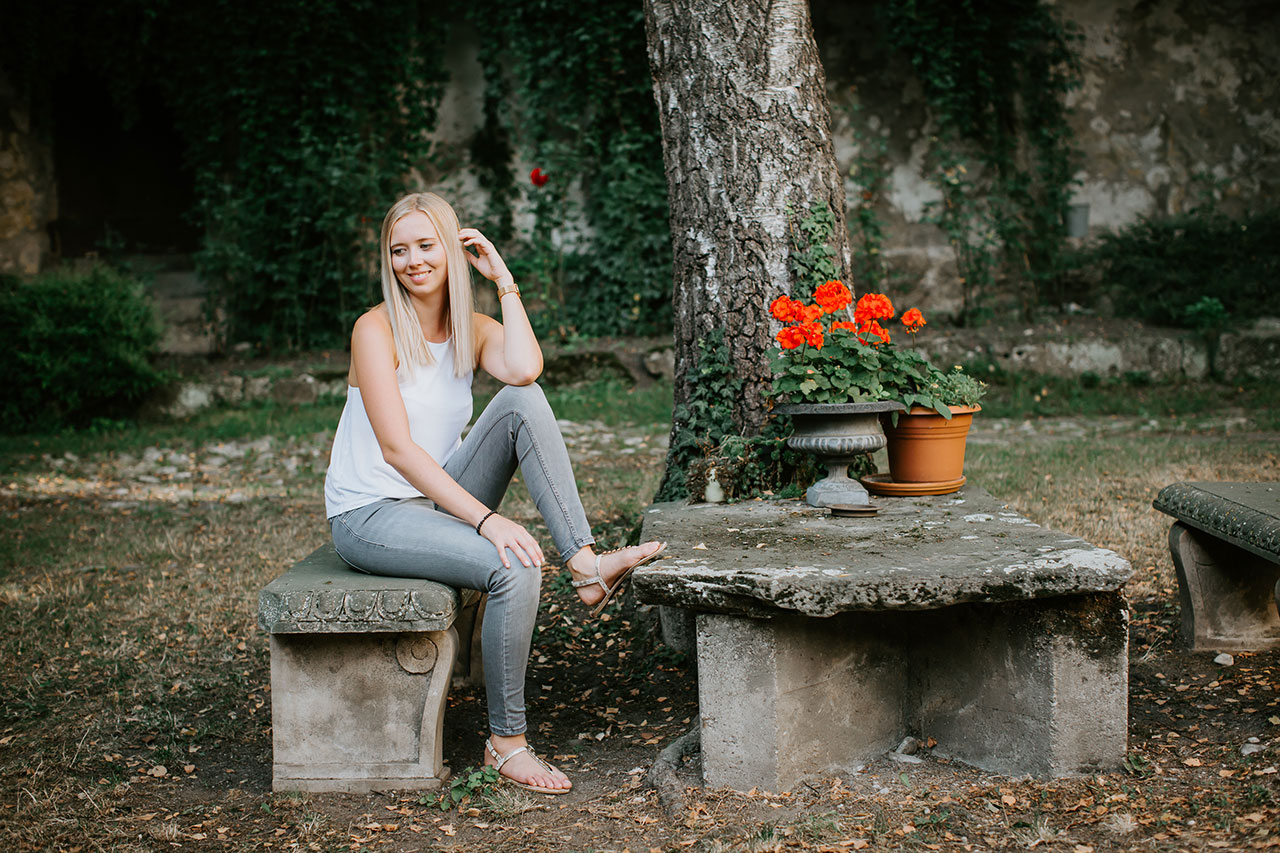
(925, 447)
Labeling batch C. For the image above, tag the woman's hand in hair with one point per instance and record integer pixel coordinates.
(487, 261)
(506, 534)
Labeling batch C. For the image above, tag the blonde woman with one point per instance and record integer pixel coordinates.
(406, 495)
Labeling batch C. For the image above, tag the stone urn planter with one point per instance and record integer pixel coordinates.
(837, 433)
(926, 452)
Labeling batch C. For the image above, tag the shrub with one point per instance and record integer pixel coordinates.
(1163, 272)
(77, 346)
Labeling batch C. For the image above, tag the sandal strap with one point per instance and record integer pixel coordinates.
(597, 579)
(503, 759)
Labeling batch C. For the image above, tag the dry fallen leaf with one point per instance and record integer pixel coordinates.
(158, 771)
(1192, 762)
(701, 546)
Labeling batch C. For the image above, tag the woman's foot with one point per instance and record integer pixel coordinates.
(599, 577)
(517, 763)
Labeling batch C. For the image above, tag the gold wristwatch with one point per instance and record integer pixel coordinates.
(504, 289)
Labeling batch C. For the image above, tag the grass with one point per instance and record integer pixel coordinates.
(129, 645)
(1022, 395)
(608, 401)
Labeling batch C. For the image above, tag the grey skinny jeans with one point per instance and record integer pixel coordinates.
(409, 537)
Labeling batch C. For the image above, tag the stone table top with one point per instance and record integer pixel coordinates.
(1245, 514)
(918, 553)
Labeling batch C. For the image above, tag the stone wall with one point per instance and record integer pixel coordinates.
(28, 196)
(1177, 108)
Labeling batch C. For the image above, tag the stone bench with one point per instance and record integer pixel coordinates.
(822, 642)
(1226, 550)
(360, 671)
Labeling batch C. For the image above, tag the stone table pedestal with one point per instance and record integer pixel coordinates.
(822, 642)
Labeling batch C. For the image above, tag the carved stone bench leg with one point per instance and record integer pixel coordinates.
(359, 712)
(1229, 595)
(470, 666)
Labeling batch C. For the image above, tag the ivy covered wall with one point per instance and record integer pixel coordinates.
(298, 137)
(1174, 111)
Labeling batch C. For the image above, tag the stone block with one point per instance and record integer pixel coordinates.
(1228, 596)
(782, 699)
(1035, 687)
(359, 712)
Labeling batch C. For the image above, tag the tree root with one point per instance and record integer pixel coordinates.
(662, 775)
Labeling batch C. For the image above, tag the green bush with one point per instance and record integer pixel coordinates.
(1163, 272)
(77, 346)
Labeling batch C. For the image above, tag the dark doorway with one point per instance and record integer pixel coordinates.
(122, 185)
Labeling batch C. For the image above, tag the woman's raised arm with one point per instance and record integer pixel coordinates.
(509, 351)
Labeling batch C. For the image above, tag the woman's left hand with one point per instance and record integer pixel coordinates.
(487, 261)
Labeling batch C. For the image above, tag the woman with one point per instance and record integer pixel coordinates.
(405, 495)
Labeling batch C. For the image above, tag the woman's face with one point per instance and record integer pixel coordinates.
(417, 255)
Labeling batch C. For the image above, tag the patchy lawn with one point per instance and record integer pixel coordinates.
(136, 711)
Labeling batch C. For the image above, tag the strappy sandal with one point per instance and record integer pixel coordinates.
(500, 760)
(610, 592)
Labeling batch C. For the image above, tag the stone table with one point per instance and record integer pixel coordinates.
(823, 641)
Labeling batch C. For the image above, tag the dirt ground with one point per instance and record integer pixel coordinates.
(93, 758)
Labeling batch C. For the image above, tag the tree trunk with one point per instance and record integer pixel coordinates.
(746, 135)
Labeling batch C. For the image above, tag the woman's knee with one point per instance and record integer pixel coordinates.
(520, 582)
(523, 398)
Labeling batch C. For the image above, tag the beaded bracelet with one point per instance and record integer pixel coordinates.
(483, 520)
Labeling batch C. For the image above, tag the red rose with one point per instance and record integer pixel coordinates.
(539, 177)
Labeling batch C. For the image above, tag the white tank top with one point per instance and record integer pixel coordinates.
(438, 405)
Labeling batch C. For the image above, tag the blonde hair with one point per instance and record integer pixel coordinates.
(411, 344)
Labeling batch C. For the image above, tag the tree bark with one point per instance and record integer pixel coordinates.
(746, 138)
(746, 134)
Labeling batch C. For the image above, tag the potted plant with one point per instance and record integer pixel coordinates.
(851, 360)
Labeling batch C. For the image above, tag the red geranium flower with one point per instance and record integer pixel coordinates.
(785, 309)
(808, 314)
(539, 177)
(913, 320)
(832, 296)
(812, 334)
(790, 337)
(844, 324)
(873, 306)
(874, 333)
